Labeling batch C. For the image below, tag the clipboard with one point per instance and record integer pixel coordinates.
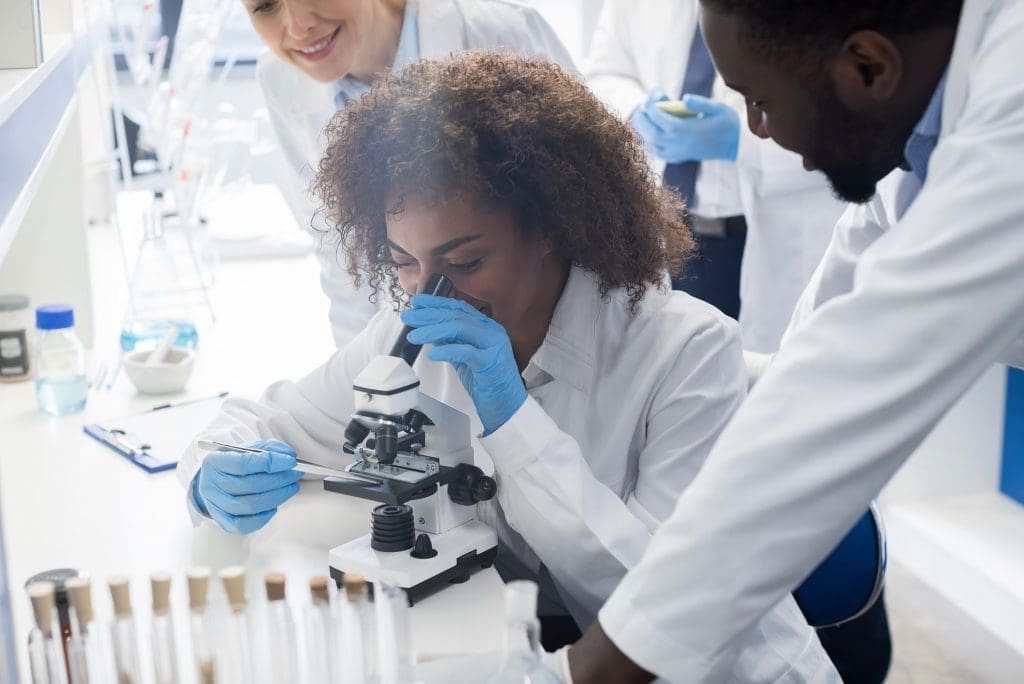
(154, 439)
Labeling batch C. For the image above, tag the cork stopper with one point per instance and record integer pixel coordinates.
(198, 585)
(207, 675)
(318, 589)
(274, 582)
(233, 579)
(121, 595)
(41, 594)
(80, 594)
(160, 587)
(355, 586)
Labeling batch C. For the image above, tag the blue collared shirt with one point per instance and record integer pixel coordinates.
(349, 89)
(925, 137)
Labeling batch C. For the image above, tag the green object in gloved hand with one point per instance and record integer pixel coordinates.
(675, 108)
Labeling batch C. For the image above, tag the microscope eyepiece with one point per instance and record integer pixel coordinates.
(436, 285)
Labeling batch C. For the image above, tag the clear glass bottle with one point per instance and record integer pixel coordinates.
(522, 664)
(61, 384)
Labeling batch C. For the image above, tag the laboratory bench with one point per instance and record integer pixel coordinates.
(68, 501)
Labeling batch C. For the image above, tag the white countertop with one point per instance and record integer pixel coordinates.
(68, 501)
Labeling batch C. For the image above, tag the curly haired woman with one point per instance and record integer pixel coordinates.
(595, 392)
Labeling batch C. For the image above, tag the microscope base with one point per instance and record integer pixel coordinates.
(460, 552)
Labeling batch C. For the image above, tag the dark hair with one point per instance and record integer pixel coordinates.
(512, 132)
(784, 29)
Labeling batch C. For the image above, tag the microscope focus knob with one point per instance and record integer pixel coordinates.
(354, 434)
(484, 488)
(470, 486)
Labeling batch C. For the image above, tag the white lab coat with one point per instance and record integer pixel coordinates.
(299, 109)
(622, 410)
(919, 293)
(639, 46)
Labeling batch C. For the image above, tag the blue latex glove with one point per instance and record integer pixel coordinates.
(479, 349)
(241, 492)
(713, 134)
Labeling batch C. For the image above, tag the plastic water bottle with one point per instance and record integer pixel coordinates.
(522, 664)
(61, 385)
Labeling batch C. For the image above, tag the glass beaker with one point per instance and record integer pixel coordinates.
(158, 299)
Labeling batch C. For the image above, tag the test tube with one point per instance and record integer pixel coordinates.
(394, 640)
(280, 629)
(46, 653)
(126, 661)
(82, 658)
(357, 648)
(164, 664)
(236, 652)
(202, 653)
(319, 635)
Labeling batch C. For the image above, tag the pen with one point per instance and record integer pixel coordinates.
(186, 402)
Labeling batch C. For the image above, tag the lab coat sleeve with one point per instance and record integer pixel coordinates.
(610, 70)
(349, 307)
(934, 301)
(584, 532)
(310, 414)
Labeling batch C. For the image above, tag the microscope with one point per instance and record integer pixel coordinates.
(413, 455)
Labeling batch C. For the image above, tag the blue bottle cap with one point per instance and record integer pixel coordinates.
(55, 317)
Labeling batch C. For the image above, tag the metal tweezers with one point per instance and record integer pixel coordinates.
(301, 465)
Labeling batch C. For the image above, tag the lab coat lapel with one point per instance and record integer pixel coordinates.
(974, 20)
(568, 351)
(900, 189)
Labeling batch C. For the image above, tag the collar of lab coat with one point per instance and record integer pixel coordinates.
(567, 353)
(901, 188)
(349, 88)
(974, 21)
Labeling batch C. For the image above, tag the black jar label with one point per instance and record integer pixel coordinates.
(13, 353)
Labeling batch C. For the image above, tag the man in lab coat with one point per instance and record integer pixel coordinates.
(920, 291)
(763, 194)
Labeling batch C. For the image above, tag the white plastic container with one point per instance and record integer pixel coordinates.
(61, 384)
